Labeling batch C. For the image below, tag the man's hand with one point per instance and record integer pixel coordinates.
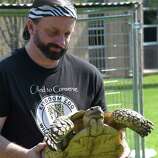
(126, 152)
(11, 150)
(36, 151)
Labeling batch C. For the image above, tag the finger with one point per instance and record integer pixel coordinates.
(126, 152)
(40, 147)
(42, 154)
(51, 142)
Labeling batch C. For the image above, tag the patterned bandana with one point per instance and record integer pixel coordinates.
(55, 10)
(49, 10)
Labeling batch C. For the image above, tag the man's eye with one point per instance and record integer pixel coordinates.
(67, 34)
(50, 33)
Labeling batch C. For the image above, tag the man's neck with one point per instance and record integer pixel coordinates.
(36, 55)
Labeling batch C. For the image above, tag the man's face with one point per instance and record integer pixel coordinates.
(52, 35)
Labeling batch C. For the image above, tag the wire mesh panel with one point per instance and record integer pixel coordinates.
(105, 41)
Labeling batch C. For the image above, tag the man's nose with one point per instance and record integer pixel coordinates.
(60, 41)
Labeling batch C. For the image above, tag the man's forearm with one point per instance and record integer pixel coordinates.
(11, 150)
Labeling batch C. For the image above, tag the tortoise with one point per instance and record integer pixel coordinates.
(93, 133)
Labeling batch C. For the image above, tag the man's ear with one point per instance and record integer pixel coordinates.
(30, 26)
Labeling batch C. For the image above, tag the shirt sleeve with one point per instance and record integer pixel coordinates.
(99, 98)
(4, 97)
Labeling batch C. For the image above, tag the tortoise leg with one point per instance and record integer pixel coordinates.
(123, 118)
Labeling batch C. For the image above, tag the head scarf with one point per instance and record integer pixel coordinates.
(55, 10)
(49, 9)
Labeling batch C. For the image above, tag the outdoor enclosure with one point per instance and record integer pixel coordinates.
(108, 35)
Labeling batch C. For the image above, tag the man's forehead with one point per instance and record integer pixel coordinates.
(57, 21)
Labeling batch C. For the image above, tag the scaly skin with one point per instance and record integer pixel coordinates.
(118, 119)
(133, 120)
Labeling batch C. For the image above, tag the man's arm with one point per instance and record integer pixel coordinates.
(11, 150)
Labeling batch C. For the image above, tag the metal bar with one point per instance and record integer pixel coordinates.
(90, 10)
(114, 105)
(135, 81)
(150, 43)
(105, 17)
(115, 69)
(140, 34)
(149, 8)
(112, 93)
(150, 26)
(114, 81)
(137, 75)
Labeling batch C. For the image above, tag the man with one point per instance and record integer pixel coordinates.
(40, 82)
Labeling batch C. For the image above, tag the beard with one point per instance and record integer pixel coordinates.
(46, 48)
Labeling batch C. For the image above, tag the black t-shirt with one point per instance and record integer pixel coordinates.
(32, 96)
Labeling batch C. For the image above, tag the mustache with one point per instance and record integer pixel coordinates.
(49, 45)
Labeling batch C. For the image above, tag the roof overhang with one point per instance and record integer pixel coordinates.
(21, 8)
(78, 5)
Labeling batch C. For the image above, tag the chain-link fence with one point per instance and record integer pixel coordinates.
(109, 37)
